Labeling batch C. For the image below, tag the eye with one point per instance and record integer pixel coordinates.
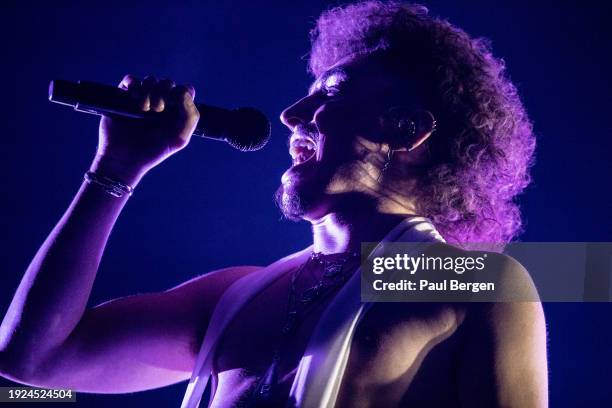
(331, 90)
(333, 84)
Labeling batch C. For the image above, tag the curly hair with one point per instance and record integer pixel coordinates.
(484, 143)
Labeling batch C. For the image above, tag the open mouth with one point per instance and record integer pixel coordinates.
(302, 149)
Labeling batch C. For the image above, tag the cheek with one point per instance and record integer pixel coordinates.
(348, 120)
(341, 125)
(334, 129)
(332, 119)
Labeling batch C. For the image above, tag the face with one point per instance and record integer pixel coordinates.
(335, 132)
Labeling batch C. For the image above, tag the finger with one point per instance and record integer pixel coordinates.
(132, 84)
(191, 91)
(166, 84)
(144, 94)
(148, 83)
(144, 102)
(182, 96)
(160, 94)
(129, 81)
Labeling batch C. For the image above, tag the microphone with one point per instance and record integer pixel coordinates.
(245, 129)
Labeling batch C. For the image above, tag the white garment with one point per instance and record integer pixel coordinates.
(320, 371)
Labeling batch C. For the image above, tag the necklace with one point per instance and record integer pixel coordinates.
(335, 272)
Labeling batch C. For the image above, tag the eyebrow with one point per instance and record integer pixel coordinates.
(324, 77)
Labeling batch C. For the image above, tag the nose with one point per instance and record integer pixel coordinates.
(301, 112)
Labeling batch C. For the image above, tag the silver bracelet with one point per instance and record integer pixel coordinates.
(112, 187)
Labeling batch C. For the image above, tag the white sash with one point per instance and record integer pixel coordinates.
(230, 303)
(320, 371)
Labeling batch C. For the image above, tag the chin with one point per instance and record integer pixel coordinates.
(302, 194)
(300, 202)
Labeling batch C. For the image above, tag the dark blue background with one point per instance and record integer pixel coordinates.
(211, 206)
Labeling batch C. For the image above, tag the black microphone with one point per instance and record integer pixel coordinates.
(246, 129)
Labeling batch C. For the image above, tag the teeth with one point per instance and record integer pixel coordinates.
(302, 141)
(301, 157)
(301, 148)
(305, 144)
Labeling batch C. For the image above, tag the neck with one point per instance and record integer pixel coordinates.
(344, 232)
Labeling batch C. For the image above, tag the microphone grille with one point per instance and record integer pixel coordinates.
(249, 129)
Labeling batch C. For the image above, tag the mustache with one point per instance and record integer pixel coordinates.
(309, 130)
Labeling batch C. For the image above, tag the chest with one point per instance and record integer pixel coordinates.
(395, 347)
(255, 335)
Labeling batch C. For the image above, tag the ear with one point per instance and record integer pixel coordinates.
(424, 125)
(405, 128)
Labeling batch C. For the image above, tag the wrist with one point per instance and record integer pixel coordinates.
(121, 171)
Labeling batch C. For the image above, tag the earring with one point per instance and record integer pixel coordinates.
(405, 132)
(407, 129)
(386, 165)
(401, 123)
(398, 120)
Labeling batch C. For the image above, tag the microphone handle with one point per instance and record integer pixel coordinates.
(99, 99)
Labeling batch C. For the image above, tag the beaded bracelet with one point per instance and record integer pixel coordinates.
(112, 187)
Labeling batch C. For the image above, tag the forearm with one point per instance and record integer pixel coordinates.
(52, 296)
(54, 290)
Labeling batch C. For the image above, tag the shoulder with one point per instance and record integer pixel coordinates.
(510, 315)
(502, 358)
(193, 301)
(515, 293)
(515, 316)
(213, 282)
(204, 291)
(514, 302)
(222, 278)
(511, 281)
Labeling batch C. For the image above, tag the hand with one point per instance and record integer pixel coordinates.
(127, 147)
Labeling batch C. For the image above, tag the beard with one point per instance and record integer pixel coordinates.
(292, 202)
(302, 197)
(312, 194)
(289, 204)
(297, 196)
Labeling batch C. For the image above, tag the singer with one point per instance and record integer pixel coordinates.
(410, 131)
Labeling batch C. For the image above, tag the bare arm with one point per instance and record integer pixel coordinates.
(47, 338)
(53, 293)
(137, 342)
(504, 361)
